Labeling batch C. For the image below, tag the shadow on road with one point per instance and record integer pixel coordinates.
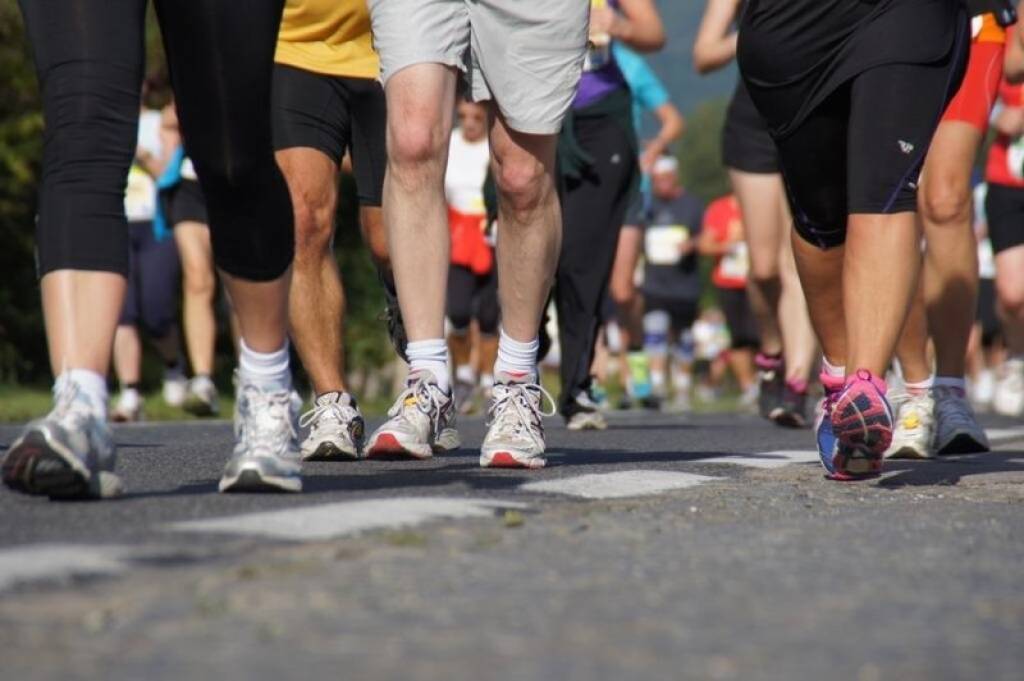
(950, 470)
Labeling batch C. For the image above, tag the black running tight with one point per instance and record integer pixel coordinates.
(90, 57)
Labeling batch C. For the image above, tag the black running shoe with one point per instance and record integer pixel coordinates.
(392, 316)
(791, 411)
(771, 382)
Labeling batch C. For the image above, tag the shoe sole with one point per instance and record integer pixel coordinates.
(250, 479)
(907, 452)
(387, 446)
(39, 465)
(587, 425)
(854, 433)
(962, 443)
(328, 451)
(508, 459)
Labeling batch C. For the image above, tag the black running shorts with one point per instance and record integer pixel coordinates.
(746, 143)
(184, 202)
(1004, 210)
(332, 114)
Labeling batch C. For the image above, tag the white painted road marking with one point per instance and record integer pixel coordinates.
(618, 484)
(775, 459)
(328, 521)
(42, 562)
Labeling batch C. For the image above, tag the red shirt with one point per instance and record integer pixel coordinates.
(1005, 164)
(723, 221)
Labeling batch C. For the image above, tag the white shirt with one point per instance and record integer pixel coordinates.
(140, 192)
(467, 169)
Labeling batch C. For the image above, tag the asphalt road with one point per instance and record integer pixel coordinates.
(707, 547)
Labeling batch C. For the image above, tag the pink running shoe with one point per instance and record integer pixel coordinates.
(862, 422)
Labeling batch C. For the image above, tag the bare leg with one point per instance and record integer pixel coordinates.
(820, 273)
(799, 345)
(127, 354)
(81, 310)
(529, 226)
(623, 289)
(912, 349)
(951, 256)
(880, 271)
(741, 361)
(317, 309)
(762, 201)
(1010, 292)
(420, 99)
(200, 284)
(262, 309)
(488, 353)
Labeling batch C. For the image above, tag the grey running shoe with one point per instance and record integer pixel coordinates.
(202, 399)
(912, 436)
(956, 429)
(771, 378)
(68, 454)
(464, 393)
(266, 456)
(421, 422)
(336, 429)
(515, 434)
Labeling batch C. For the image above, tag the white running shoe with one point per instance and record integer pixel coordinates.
(67, 454)
(266, 456)
(128, 407)
(912, 436)
(1009, 397)
(983, 389)
(956, 429)
(515, 433)
(421, 422)
(336, 429)
(584, 414)
(202, 398)
(175, 389)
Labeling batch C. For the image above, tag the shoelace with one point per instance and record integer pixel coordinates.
(513, 408)
(265, 418)
(68, 410)
(428, 400)
(341, 413)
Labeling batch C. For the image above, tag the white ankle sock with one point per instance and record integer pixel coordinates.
(465, 374)
(919, 387)
(430, 355)
(269, 370)
(90, 383)
(517, 358)
(831, 369)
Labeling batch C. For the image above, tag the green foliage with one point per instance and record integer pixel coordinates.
(700, 151)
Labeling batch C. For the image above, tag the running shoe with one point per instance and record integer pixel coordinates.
(771, 378)
(748, 399)
(1009, 397)
(175, 389)
(638, 382)
(582, 414)
(266, 456)
(983, 390)
(915, 424)
(824, 436)
(336, 429)
(599, 395)
(862, 422)
(515, 432)
(957, 431)
(202, 398)
(421, 422)
(128, 407)
(791, 410)
(464, 391)
(67, 454)
(392, 317)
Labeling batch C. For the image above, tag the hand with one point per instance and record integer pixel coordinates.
(652, 150)
(603, 21)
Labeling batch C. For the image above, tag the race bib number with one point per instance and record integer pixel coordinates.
(735, 264)
(663, 244)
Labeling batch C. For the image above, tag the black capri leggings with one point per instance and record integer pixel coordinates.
(89, 57)
(470, 296)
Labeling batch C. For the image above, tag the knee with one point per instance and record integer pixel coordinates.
(314, 225)
(1010, 292)
(415, 150)
(522, 182)
(944, 201)
(199, 282)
